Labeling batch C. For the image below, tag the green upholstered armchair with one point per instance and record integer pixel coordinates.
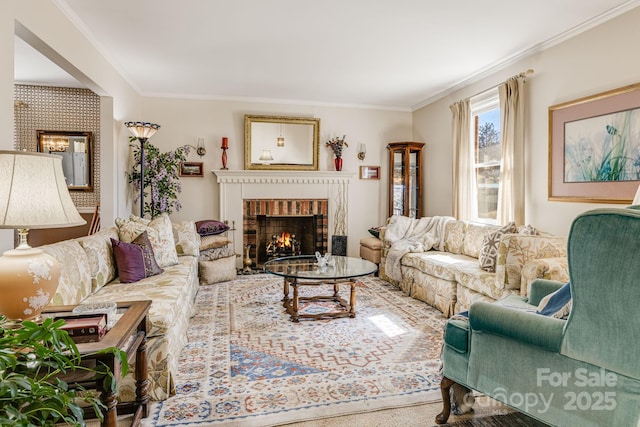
(584, 371)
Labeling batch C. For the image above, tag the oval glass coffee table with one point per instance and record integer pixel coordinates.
(304, 271)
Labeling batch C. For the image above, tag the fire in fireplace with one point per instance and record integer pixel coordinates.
(305, 218)
(284, 244)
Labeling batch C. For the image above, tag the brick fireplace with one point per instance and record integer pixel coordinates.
(248, 197)
(304, 218)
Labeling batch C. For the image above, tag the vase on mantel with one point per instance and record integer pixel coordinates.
(338, 162)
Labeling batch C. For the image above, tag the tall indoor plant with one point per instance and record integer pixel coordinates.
(161, 177)
(34, 357)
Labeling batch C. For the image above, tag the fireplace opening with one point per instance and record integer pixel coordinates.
(279, 236)
(284, 244)
(305, 218)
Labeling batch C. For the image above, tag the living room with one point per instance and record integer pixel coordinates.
(588, 60)
(567, 70)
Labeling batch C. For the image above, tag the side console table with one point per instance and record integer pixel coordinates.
(129, 334)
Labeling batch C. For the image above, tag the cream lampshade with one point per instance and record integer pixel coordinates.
(636, 199)
(33, 194)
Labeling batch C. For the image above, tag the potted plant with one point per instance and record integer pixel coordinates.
(162, 177)
(34, 357)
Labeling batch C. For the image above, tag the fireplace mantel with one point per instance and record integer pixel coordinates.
(282, 177)
(238, 185)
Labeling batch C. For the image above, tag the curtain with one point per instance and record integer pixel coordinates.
(463, 206)
(511, 191)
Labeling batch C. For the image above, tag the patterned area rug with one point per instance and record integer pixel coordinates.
(247, 364)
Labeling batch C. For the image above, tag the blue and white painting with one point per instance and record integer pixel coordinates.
(603, 148)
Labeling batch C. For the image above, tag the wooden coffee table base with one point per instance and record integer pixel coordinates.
(292, 304)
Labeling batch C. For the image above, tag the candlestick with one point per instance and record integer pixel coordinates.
(225, 146)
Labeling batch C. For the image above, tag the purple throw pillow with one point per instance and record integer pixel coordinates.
(135, 261)
(211, 226)
(129, 261)
(151, 267)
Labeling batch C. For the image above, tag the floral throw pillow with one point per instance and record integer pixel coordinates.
(160, 235)
(186, 238)
(490, 242)
(527, 230)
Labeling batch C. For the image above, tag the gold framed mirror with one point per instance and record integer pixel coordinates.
(76, 150)
(281, 142)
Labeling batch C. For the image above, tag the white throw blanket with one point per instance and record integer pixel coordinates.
(412, 235)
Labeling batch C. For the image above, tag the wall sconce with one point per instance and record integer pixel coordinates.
(362, 151)
(266, 157)
(200, 148)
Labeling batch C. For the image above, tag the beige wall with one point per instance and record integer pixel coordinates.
(597, 60)
(183, 121)
(44, 26)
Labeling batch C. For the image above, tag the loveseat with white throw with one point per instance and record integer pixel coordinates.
(89, 275)
(450, 263)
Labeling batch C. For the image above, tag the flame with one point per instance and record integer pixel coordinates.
(284, 241)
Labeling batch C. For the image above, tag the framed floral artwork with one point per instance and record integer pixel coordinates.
(594, 147)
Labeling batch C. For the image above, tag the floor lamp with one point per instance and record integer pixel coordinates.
(33, 194)
(142, 131)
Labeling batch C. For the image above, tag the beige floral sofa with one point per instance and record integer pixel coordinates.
(452, 279)
(89, 275)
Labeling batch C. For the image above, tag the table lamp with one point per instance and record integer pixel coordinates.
(33, 194)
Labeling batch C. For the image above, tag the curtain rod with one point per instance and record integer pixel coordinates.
(527, 73)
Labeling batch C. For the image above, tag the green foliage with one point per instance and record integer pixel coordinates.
(611, 154)
(33, 360)
(161, 177)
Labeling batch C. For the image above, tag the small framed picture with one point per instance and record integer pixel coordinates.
(369, 172)
(191, 169)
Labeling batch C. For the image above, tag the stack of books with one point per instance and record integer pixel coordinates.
(85, 328)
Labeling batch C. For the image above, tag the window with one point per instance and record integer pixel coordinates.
(487, 151)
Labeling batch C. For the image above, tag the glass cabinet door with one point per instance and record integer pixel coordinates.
(405, 178)
(397, 192)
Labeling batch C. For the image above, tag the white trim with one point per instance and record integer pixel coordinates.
(239, 185)
(282, 177)
(532, 50)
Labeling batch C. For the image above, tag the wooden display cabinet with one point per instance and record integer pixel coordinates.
(405, 178)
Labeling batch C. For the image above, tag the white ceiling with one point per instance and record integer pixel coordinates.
(380, 53)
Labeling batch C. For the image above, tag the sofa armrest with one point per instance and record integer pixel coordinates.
(386, 245)
(540, 288)
(516, 250)
(523, 326)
